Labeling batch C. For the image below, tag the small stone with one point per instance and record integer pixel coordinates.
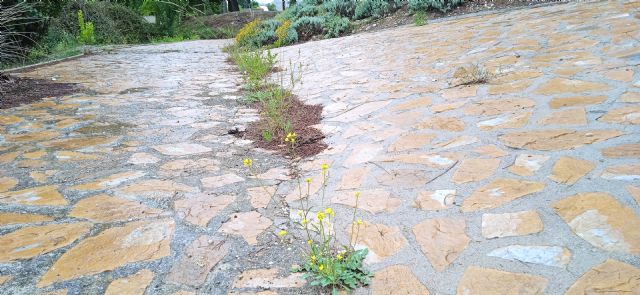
(622, 75)
(199, 208)
(526, 164)
(626, 115)
(442, 240)
(74, 156)
(409, 141)
(445, 107)
(155, 189)
(435, 200)
(576, 116)
(374, 201)
(37, 240)
(78, 143)
(246, 224)
(545, 255)
(472, 170)
(113, 248)
(181, 149)
(569, 170)
(486, 281)
(509, 121)
(35, 196)
(104, 208)
(631, 150)
(563, 85)
(275, 174)
(8, 218)
(630, 172)
(220, 181)
(441, 123)
(552, 140)
(459, 92)
(382, 241)
(602, 221)
(498, 193)
(609, 277)
(197, 260)
(142, 158)
(511, 224)
(362, 153)
(110, 181)
(396, 280)
(557, 103)
(135, 284)
(267, 279)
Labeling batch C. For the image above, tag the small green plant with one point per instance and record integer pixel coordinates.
(474, 74)
(87, 36)
(326, 262)
(420, 18)
(267, 136)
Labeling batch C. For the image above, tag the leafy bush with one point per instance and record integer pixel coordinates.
(272, 7)
(343, 8)
(442, 5)
(247, 32)
(87, 35)
(336, 26)
(420, 18)
(375, 8)
(309, 26)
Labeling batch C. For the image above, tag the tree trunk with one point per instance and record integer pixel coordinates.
(233, 5)
(283, 5)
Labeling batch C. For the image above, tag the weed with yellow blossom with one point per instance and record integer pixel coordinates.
(326, 262)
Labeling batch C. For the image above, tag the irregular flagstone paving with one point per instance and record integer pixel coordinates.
(526, 184)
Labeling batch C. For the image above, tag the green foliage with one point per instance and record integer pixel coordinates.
(343, 8)
(272, 7)
(441, 5)
(420, 18)
(308, 26)
(336, 26)
(346, 273)
(256, 66)
(375, 8)
(87, 35)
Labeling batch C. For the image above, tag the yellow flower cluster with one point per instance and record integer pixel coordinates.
(291, 137)
(248, 162)
(282, 233)
(248, 30)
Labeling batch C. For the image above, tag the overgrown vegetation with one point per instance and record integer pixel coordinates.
(441, 5)
(474, 74)
(420, 18)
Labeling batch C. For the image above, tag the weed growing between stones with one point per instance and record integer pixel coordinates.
(474, 74)
(326, 262)
(420, 18)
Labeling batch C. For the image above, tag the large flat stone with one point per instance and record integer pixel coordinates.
(220, 181)
(631, 150)
(442, 240)
(609, 277)
(435, 200)
(527, 164)
(35, 196)
(491, 107)
(37, 240)
(563, 85)
(397, 280)
(197, 260)
(625, 115)
(568, 170)
(626, 172)
(113, 248)
(109, 181)
(487, 281)
(248, 225)
(7, 183)
(511, 224)
(181, 149)
(552, 140)
(8, 218)
(104, 208)
(472, 170)
(374, 201)
(199, 208)
(382, 241)
(545, 255)
(602, 221)
(267, 279)
(155, 189)
(498, 193)
(134, 284)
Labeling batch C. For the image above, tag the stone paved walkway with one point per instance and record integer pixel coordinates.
(525, 185)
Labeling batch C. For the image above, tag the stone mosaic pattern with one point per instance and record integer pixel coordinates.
(527, 184)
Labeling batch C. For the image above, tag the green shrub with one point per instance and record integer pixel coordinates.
(86, 35)
(336, 26)
(309, 26)
(420, 18)
(343, 8)
(442, 5)
(272, 7)
(375, 8)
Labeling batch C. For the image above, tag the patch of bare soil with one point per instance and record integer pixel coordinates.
(404, 17)
(234, 20)
(303, 117)
(15, 91)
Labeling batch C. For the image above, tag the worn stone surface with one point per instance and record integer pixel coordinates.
(104, 208)
(155, 188)
(602, 221)
(267, 279)
(199, 208)
(37, 196)
(442, 240)
(545, 255)
(22, 218)
(112, 248)
(477, 280)
(110, 181)
(381, 240)
(248, 225)
(569, 170)
(499, 192)
(471, 170)
(197, 261)
(631, 150)
(435, 200)
(511, 224)
(551, 140)
(181, 149)
(609, 277)
(527, 164)
(630, 172)
(374, 201)
(220, 181)
(33, 241)
(397, 279)
(135, 284)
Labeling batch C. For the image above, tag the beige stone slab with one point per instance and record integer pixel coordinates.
(442, 240)
(560, 139)
(609, 277)
(561, 102)
(134, 284)
(563, 85)
(9, 218)
(568, 170)
(33, 241)
(396, 280)
(155, 189)
(197, 260)
(625, 115)
(499, 192)
(382, 241)
(199, 208)
(104, 208)
(472, 170)
(35, 196)
(574, 116)
(435, 200)
(527, 164)
(374, 201)
(631, 150)
(409, 141)
(109, 181)
(268, 279)
(248, 225)
(491, 107)
(487, 281)
(511, 224)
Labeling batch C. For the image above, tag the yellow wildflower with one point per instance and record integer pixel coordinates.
(248, 162)
(313, 258)
(329, 211)
(307, 180)
(320, 215)
(339, 257)
(304, 221)
(360, 221)
(310, 242)
(282, 233)
(357, 195)
(321, 267)
(324, 167)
